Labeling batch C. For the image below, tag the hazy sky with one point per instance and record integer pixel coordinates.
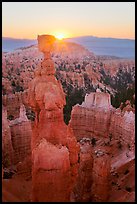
(102, 19)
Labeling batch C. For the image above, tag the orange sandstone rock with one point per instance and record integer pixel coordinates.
(113, 159)
(7, 148)
(54, 147)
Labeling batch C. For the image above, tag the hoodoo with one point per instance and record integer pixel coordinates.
(54, 147)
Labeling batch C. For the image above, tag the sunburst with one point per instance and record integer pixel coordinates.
(60, 36)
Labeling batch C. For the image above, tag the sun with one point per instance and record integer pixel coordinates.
(60, 36)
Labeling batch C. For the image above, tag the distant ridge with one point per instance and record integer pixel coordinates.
(123, 48)
(10, 44)
(96, 37)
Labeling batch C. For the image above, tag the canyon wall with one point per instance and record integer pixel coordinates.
(16, 142)
(21, 132)
(92, 117)
(122, 127)
(111, 133)
(97, 117)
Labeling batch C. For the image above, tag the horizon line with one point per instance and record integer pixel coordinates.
(71, 37)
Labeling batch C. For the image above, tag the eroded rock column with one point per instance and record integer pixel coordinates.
(101, 175)
(7, 148)
(82, 190)
(54, 147)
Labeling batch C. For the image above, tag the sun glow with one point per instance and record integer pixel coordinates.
(60, 36)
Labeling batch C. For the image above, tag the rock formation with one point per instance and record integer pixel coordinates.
(100, 188)
(98, 100)
(16, 134)
(7, 148)
(124, 126)
(92, 117)
(112, 133)
(97, 117)
(54, 147)
(12, 102)
(21, 132)
(82, 190)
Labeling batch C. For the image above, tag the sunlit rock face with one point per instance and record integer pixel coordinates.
(54, 147)
(98, 100)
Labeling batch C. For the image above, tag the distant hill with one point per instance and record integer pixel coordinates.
(10, 44)
(123, 48)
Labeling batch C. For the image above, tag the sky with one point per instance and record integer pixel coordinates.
(26, 20)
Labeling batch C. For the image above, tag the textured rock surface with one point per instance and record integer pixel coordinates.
(21, 132)
(16, 189)
(13, 103)
(86, 122)
(52, 166)
(122, 127)
(112, 134)
(7, 148)
(123, 177)
(54, 147)
(98, 99)
(82, 190)
(92, 118)
(100, 188)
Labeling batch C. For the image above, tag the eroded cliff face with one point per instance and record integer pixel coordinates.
(101, 186)
(54, 147)
(122, 128)
(82, 189)
(7, 148)
(16, 143)
(12, 102)
(112, 135)
(21, 132)
(92, 117)
(97, 117)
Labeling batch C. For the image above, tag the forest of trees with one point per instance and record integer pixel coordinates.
(73, 97)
